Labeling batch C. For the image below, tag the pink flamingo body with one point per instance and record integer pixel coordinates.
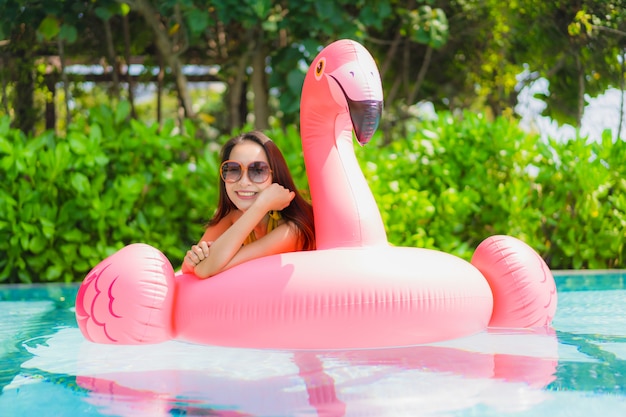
(354, 291)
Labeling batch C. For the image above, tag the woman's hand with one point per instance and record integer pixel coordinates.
(197, 253)
(275, 197)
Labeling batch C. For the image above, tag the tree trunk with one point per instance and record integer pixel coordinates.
(167, 50)
(407, 68)
(621, 100)
(51, 116)
(160, 77)
(66, 84)
(22, 43)
(108, 36)
(581, 92)
(391, 53)
(129, 79)
(238, 108)
(259, 88)
(420, 76)
(5, 101)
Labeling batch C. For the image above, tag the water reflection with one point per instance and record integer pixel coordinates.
(503, 370)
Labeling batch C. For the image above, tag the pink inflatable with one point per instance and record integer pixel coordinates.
(354, 291)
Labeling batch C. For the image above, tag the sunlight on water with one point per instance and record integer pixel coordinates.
(575, 369)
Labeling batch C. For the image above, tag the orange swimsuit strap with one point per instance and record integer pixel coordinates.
(271, 225)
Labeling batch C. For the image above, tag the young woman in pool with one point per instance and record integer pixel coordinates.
(259, 211)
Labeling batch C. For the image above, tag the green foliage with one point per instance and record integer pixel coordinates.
(426, 25)
(583, 190)
(454, 181)
(456, 54)
(68, 202)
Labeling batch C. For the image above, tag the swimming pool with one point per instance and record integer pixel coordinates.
(578, 368)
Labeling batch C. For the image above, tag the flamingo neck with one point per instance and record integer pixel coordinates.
(346, 214)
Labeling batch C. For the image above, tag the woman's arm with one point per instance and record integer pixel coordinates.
(200, 250)
(226, 250)
(282, 239)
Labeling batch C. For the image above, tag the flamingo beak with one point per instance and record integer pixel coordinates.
(365, 117)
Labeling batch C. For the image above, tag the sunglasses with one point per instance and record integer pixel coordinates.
(232, 171)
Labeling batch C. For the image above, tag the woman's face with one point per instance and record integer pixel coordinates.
(244, 191)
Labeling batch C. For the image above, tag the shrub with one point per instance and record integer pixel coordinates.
(68, 202)
(582, 191)
(454, 181)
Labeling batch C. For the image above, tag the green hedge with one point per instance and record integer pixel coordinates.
(68, 202)
(454, 181)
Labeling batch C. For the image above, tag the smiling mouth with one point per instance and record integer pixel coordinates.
(246, 193)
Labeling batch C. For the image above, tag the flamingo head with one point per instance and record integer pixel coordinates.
(346, 72)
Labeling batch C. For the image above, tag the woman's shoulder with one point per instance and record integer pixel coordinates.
(232, 216)
(226, 220)
(215, 229)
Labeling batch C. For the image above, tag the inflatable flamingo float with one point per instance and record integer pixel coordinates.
(355, 290)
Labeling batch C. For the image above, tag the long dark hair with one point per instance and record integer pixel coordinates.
(299, 212)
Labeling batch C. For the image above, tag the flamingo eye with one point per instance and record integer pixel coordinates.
(319, 68)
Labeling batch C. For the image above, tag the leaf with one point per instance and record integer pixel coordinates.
(62, 156)
(5, 124)
(124, 9)
(295, 80)
(37, 244)
(53, 272)
(95, 134)
(74, 235)
(5, 145)
(80, 182)
(77, 142)
(101, 159)
(198, 21)
(49, 27)
(122, 111)
(68, 33)
(329, 10)
(24, 242)
(261, 8)
(47, 228)
(103, 13)
(174, 29)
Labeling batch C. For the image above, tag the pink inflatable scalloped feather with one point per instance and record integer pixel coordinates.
(354, 291)
(523, 287)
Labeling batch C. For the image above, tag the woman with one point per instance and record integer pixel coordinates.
(259, 212)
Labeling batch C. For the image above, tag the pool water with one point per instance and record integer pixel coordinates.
(576, 368)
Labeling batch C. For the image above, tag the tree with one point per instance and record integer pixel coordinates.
(32, 32)
(171, 44)
(457, 54)
(18, 55)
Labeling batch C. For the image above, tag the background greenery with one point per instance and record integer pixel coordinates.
(68, 202)
(456, 54)
(88, 165)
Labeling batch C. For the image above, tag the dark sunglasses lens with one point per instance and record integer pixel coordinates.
(258, 172)
(231, 172)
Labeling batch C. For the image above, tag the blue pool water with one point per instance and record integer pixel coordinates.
(577, 368)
